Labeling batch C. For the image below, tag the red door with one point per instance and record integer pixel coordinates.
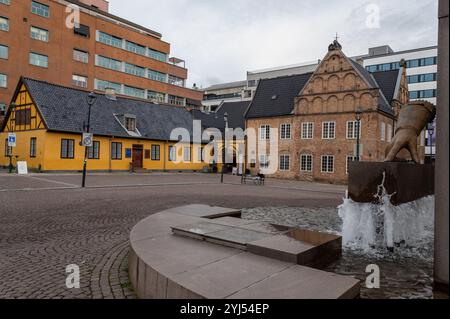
(138, 156)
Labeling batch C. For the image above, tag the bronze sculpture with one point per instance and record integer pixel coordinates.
(412, 119)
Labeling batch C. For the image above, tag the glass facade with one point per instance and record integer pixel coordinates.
(109, 63)
(135, 92)
(157, 76)
(135, 70)
(109, 40)
(136, 48)
(102, 85)
(409, 64)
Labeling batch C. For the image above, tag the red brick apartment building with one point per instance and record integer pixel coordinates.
(105, 51)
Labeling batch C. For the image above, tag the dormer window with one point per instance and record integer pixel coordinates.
(130, 123)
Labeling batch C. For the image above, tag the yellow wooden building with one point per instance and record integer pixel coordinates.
(48, 121)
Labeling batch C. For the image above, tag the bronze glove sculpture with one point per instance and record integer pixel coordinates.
(413, 118)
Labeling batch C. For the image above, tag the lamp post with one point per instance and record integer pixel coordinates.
(91, 98)
(225, 118)
(358, 115)
(12, 108)
(430, 140)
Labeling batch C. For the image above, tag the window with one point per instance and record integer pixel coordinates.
(130, 123)
(424, 94)
(80, 81)
(350, 159)
(328, 130)
(8, 149)
(264, 161)
(285, 132)
(134, 70)
(264, 132)
(157, 76)
(353, 130)
(3, 52)
(116, 151)
(39, 34)
(176, 100)
(156, 156)
(307, 131)
(134, 92)
(306, 163)
(187, 154)
(2, 108)
(383, 131)
(284, 162)
(39, 60)
(160, 56)
(389, 133)
(94, 150)
(421, 78)
(102, 85)
(40, 9)
(156, 96)
(8, 2)
(174, 80)
(109, 39)
(67, 149)
(3, 81)
(327, 164)
(109, 63)
(80, 56)
(82, 30)
(4, 24)
(23, 117)
(172, 153)
(136, 48)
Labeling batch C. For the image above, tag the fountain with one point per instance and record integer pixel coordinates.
(391, 204)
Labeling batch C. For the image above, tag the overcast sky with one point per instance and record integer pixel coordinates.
(222, 39)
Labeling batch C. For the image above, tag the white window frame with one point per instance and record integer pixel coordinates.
(352, 133)
(264, 132)
(283, 163)
(383, 131)
(286, 131)
(389, 133)
(5, 76)
(80, 56)
(77, 80)
(39, 34)
(328, 131)
(264, 161)
(327, 164)
(306, 170)
(307, 131)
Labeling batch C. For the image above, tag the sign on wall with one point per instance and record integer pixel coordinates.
(88, 139)
(12, 139)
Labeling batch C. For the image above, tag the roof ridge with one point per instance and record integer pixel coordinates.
(287, 76)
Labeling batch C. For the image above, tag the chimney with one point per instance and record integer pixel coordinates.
(98, 4)
(110, 94)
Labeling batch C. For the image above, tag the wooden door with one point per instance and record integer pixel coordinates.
(138, 156)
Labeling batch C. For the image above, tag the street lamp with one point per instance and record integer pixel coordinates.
(225, 118)
(91, 98)
(430, 140)
(12, 107)
(358, 115)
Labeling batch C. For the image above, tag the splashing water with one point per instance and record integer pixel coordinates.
(381, 225)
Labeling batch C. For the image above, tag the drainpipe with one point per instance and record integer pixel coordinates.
(110, 154)
(166, 145)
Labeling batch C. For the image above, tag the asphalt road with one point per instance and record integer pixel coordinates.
(47, 223)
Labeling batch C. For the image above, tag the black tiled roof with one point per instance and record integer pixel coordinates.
(65, 109)
(387, 80)
(236, 112)
(276, 97)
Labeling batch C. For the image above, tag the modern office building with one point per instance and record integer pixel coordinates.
(37, 40)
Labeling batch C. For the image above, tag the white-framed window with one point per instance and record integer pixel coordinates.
(156, 96)
(39, 34)
(174, 80)
(40, 9)
(383, 131)
(327, 164)
(389, 133)
(328, 130)
(7, 2)
(134, 92)
(187, 154)
(307, 131)
(109, 39)
(172, 153)
(353, 130)
(3, 81)
(4, 24)
(134, 70)
(39, 60)
(134, 47)
(130, 123)
(80, 56)
(285, 132)
(108, 63)
(160, 56)
(306, 163)
(176, 100)
(80, 81)
(156, 76)
(350, 159)
(264, 161)
(264, 132)
(285, 162)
